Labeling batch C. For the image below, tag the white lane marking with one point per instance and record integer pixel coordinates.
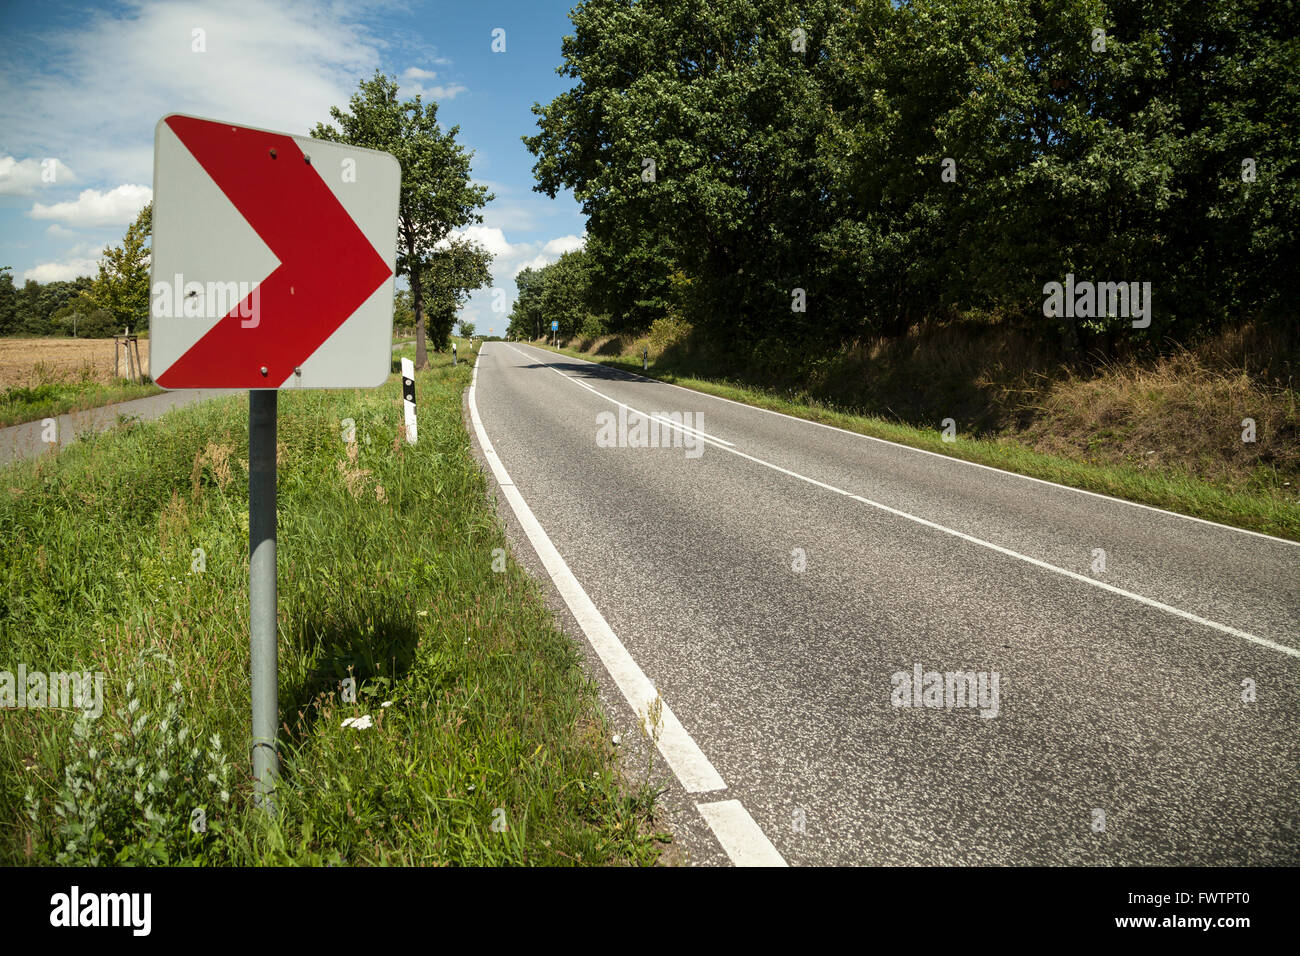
(1150, 602)
(681, 752)
(657, 418)
(742, 838)
(973, 464)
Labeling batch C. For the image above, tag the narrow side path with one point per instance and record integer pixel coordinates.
(28, 440)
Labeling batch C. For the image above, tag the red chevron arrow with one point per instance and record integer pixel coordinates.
(327, 266)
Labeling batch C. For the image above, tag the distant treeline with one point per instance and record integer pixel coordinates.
(116, 298)
(829, 171)
(51, 308)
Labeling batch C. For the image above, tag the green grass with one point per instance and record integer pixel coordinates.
(1266, 508)
(385, 574)
(23, 404)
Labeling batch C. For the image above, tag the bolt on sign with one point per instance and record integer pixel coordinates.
(273, 259)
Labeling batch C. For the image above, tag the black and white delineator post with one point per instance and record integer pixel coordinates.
(454, 358)
(408, 398)
(645, 358)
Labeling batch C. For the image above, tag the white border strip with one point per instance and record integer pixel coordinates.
(1150, 602)
(742, 838)
(681, 752)
(925, 451)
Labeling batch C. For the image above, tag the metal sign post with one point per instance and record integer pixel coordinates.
(262, 597)
(273, 263)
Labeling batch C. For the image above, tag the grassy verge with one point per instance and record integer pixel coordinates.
(1264, 504)
(29, 404)
(127, 555)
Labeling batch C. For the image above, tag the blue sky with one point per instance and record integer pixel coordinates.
(84, 84)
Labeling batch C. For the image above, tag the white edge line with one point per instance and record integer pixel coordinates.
(1150, 602)
(742, 838)
(926, 451)
(681, 752)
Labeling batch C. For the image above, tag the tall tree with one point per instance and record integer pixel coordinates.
(437, 193)
(452, 272)
(526, 315)
(8, 302)
(122, 287)
(690, 138)
(565, 292)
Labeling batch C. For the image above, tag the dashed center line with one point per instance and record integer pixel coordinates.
(1073, 575)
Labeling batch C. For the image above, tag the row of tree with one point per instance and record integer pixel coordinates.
(562, 292)
(49, 308)
(828, 170)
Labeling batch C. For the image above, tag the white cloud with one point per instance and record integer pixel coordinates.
(58, 232)
(523, 210)
(413, 82)
(439, 94)
(24, 177)
(515, 216)
(83, 249)
(62, 271)
(511, 258)
(490, 238)
(93, 208)
(534, 263)
(79, 260)
(558, 247)
(276, 64)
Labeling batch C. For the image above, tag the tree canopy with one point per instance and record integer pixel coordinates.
(452, 272)
(121, 290)
(559, 292)
(810, 168)
(437, 192)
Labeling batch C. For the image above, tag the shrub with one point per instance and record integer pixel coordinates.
(139, 788)
(668, 331)
(594, 326)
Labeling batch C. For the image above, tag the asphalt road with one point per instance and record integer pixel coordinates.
(780, 586)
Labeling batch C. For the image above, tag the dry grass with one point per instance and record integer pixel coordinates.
(1183, 410)
(41, 361)
(1180, 410)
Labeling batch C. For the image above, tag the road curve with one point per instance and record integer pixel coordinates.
(783, 584)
